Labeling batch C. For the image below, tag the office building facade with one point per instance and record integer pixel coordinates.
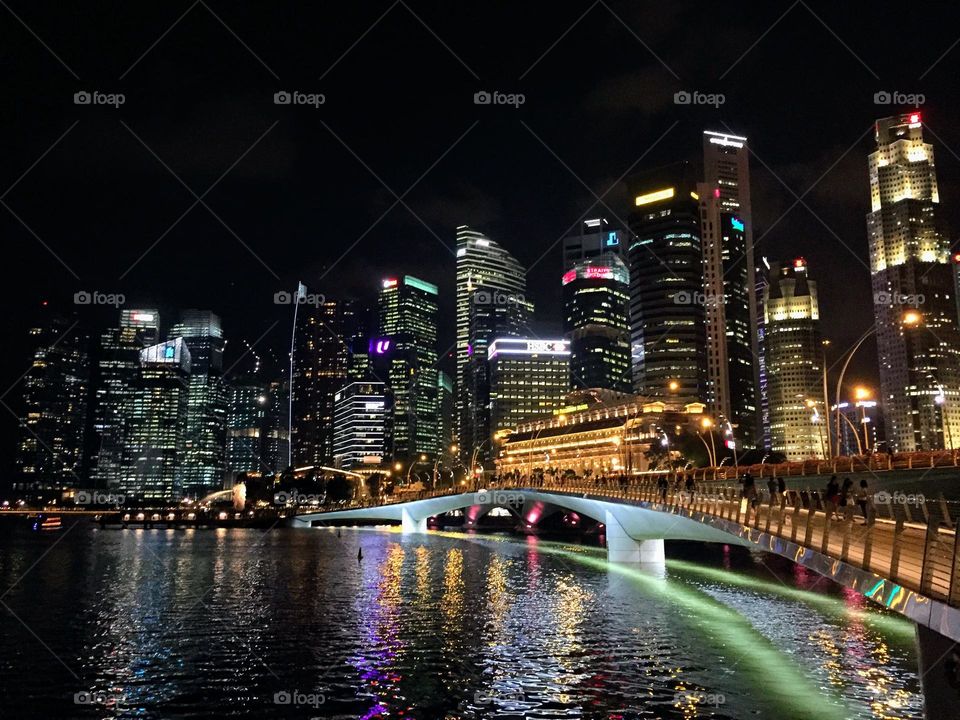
(362, 424)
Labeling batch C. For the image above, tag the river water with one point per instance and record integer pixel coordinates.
(287, 623)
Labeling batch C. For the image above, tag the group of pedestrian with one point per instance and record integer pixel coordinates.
(841, 495)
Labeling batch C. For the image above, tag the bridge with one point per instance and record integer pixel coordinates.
(907, 564)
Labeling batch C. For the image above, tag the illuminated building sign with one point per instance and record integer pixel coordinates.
(654, 196)
(381, 345)
(570, 409)
(569, 277)
(736, 224)
(169, 352)
(800, 264)
(590, 272)
(143, 317)
(389, 283)
(915, 120)
(422, 284)
(612, 238)
(523, 346)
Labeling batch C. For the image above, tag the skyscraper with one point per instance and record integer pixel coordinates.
(320, 359)
(246, 412)
(596, 295)
(727, 292)
(596, 237)
(730, 273)
(918, 341)
(666, 287)
(408, 337)
(361, 425)
(204, 461)
(487, 275)
(118, 369)
(52, 421)
(156, 410)
(528, 377)
(798, 418)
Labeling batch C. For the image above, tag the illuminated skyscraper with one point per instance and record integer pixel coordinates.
(118, 368)
(666, 287)
(596, 295)
(727, 292)
(54, 411)
(798, 424)
(408, 341)
(491, 287)
(246, 412)
(528, 377)
(918, 341)
(204, 461)
(731, 301)
(156, 410)
(320, 360)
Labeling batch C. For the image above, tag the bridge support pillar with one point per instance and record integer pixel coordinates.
(410, 524)
(939, 674)
(621, 548)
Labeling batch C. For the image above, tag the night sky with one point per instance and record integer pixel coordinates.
(106, 199)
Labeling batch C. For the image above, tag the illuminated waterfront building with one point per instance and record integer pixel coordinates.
(666, 287)
(528, 377)
(595, 301)
(598, 437)
(156, 416)
(918, 340)
(53, 416)
(408, 342)
(362, 416)
(246, 412)
(117, 370)
(794, 357)
(204, 461)
(491, 302)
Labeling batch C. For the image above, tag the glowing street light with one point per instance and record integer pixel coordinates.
(673, 386)
(912, 318)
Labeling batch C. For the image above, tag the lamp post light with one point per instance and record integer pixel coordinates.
(824, 344)
(862, 394)
(707, 424)
(908, 319)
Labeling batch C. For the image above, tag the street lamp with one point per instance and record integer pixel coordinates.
(707, 424)
(846, 363)
(862, 394)
(824, 344)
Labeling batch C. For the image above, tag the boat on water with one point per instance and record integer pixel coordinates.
(47, 523)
